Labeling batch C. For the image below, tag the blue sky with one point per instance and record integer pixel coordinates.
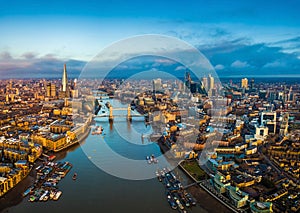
(238, 37)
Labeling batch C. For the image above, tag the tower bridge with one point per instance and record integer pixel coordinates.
(111, 115)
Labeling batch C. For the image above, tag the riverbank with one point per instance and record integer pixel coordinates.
(204, 199)
(14, 196)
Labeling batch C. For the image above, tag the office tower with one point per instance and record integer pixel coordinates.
(53, 90)
(157, 87)
(244, 83)
(205, 83)
(48, 90)
(211, 82)
(188, 79)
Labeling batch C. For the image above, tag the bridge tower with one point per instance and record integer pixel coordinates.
(111, 116)
(129, 117)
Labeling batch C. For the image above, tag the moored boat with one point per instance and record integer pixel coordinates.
(171, 201)
(52, 194)
(57, 195)
(74, 176)
(43, 195)
(32, 198)
(27, 191)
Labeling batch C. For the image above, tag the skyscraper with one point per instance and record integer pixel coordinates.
(205, 84)
(211, 82)
(51, 90)
(64, 93)
(188, 79)
(157, 87)
(65, 80)
(244, 83)
(48, 90)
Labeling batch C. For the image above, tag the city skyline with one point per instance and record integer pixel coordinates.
(238, 38)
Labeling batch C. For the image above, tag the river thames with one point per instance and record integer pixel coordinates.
(95, 190)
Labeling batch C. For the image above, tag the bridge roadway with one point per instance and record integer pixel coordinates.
(119, 115)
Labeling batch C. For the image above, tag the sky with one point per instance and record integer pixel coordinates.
(240, 38)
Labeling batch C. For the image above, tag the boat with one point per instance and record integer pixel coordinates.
(190, 198)
(27, 191)
(74, 176)
(43, 195)
(46, 197)
(51, 157)
(32, 198)
(57, 195)
(157, 173)
(162, 172)
(153, 159)
(148, 159)
(179, 204)
(52, 194)
(171, 201)
(39, 167)
(98, 130)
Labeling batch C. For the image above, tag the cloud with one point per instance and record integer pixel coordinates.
(239, 64)
(219, 32)
(5, 56)
(290, 40)
(29, 65)
(179, 68)
(28, 55)
(291, 45)
(275, 64)
(252, 58)
(219, 67)
(228, 56)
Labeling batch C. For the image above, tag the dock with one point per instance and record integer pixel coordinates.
(47, 177)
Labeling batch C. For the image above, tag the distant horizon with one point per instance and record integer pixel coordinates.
(220, 77)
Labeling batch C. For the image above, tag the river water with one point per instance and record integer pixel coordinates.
(95, 190)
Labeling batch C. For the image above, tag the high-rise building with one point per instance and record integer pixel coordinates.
(48, 89)
(64, 93)
(205, 83)
(65, 79)
(157, 86)
(188, 79)
(211, 82)
(51, 90)
(244, 83)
